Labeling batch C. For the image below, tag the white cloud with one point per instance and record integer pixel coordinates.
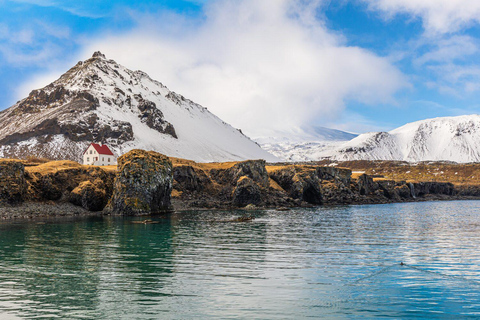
(448, 50)
(259, 65)
(32, 43)
(439, 16)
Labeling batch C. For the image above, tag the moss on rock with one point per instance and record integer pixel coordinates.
(143, 184)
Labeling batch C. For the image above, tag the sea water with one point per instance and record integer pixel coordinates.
(414, 260)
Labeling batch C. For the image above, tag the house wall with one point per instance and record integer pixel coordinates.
(92, 158)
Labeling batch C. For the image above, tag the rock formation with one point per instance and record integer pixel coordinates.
(13, 186)
(143, 184)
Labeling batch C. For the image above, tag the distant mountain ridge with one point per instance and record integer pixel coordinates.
(99, 100)
(305, 144)
(440, 139)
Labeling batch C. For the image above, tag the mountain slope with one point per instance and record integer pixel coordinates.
(440, 139)
(100, 100)
(306, 144)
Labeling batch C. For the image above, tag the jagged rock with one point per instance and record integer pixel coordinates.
(389, 189)
(49, 189)
(187, 178)
(366, 185)
(253, 169)
(90, 195)
(51, 181)
(338, 193)
(13, 186)
(143, 184)
(246, 192)
(403, 190)
(303, 185)
(424, 188)
(335, 174)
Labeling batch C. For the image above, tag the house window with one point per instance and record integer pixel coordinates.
(108, 159)
(88, 159)
(91, 151)
(103, 159)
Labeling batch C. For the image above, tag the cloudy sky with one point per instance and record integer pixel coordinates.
(263, 65)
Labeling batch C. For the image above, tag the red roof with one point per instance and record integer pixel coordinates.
(101, 149)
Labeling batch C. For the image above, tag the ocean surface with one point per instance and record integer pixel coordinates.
(400, 261)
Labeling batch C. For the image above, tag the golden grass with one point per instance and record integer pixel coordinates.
(53, 166)
(275, 185)
(460, 174)
(176, 194)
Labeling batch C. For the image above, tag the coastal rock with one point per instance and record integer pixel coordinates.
(13, 186)
(366, 185)
(187, 178)
(389, 189)
(55, 180)
(143, 184)
(403, 190)
(424, 188)
(247, 192)
(302, 184)
(90, 195)
(253, 169)
(335, 174)
(50, 188)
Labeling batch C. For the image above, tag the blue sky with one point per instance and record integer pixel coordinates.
(264, 66)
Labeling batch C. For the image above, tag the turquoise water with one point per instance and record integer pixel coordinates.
(336, 263)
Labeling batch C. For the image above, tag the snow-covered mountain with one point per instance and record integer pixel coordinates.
(440, 139)
(101, 101)
(305, 144)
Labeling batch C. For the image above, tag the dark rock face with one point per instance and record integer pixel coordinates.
(403, 190)
(304, 185)
(336, 174)
(247, 192)
(50, 188)
(91, 196)
(425, 188)
(186, 178)
(143, 184)
(153, 117)
(13, 186)
(366, 185)
(253, 169)
(53, 185)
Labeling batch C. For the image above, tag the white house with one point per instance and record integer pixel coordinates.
(99, 155)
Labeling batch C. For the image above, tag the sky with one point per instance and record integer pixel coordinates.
(265, 66)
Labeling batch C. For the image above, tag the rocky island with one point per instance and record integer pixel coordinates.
(146, 182)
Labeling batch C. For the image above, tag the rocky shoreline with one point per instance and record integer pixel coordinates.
(146, 183)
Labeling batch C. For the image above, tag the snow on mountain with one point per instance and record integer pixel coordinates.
(440, 139)
(306, 144)
(99, 100)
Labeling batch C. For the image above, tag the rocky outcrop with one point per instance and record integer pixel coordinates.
(335, 174)
(299, 183)
(424, 188)
(13, 186)
(366, 185)
(54, 181)
(253, 169)
(92, 196)
(187, 178)
(143, 184)
(247, 192)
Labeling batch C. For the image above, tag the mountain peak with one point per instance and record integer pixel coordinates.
(101, 100)
(439, 139)
(98, 54)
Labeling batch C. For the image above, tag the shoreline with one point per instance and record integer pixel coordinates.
(41, 211)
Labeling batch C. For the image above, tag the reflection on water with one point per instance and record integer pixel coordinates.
(340, 262)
